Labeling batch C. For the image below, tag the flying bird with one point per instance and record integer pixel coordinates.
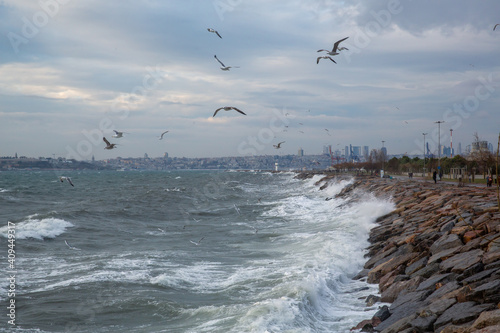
(214, 31)
(71, 247)
(108, 145)
(198, 242)
(63, 178)
(118, 134)
(228, 108)
(278, 146)
(324, 57)
(162, 134)
(335, 48)
(495, 26)
(224, 67)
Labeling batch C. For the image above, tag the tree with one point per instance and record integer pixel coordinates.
(483, 158)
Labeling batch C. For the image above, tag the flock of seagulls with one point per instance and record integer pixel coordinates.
(335, 51)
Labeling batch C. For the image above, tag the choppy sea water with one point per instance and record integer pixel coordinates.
(186, 251)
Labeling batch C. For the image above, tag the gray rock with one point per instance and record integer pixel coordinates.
(372, 299)
(383, 313)
(427, 271)
(446, 242)
(424, 323)
(447, 288)
(461, 313)
(479, 276)
(487, 292)
(460, 262)
(406, 311)
(416, 265)
(430, 283)
(416, 296)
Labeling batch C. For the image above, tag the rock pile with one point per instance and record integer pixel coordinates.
(436, 257)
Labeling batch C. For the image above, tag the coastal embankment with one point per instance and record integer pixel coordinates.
(436, 257)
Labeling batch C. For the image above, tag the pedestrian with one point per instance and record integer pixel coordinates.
(434, 176)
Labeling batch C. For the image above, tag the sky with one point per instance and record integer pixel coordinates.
(73, 71)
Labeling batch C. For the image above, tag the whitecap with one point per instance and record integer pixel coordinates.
(38, 229)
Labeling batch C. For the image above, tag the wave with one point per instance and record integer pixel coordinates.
(38, 228)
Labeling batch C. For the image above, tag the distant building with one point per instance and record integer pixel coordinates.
(366, 152)
(300, 152)
(459, 148)
(165, 155)
(479, 145)
(146, 155)
(356, 152)
(384, 152)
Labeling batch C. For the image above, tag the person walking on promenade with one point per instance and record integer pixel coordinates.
(434, 176)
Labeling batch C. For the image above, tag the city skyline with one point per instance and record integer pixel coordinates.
(72, 72)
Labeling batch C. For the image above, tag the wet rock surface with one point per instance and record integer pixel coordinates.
(436, 257)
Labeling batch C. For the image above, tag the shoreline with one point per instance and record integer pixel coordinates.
(436, 257)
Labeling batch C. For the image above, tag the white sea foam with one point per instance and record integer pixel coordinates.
(38, 229)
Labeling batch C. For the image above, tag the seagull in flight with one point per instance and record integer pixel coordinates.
(108, 145)
(228, 108)
(224, 67)
(278, 146)
(237, 209)
(63, 178)
(214, 31)
(71, 247)
(324, 57)
(198, 242)
(162, 134)
(118, 134)
(495, 26)
(335, 48)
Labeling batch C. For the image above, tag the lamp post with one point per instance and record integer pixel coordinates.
(451, 142)
(424, 134)
(383, 156)
(439, 122)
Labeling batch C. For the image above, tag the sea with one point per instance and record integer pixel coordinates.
(182, 251)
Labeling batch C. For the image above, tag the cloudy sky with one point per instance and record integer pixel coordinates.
(73, 71)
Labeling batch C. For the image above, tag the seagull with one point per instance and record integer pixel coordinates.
(228, 108)
(335, 48)
(63, 178)
(118, 134)
(162, 134)
(324, 57)
(214, 31)
(495, 26)
(224, 67)
(278, 146)
(108, 145)
(198, 242)
(237, 209)
(71, 247)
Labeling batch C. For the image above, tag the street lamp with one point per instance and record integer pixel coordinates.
(424, 134)
(439, 143)
(383, 155)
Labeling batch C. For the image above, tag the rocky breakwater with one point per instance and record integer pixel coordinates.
(436, 257)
